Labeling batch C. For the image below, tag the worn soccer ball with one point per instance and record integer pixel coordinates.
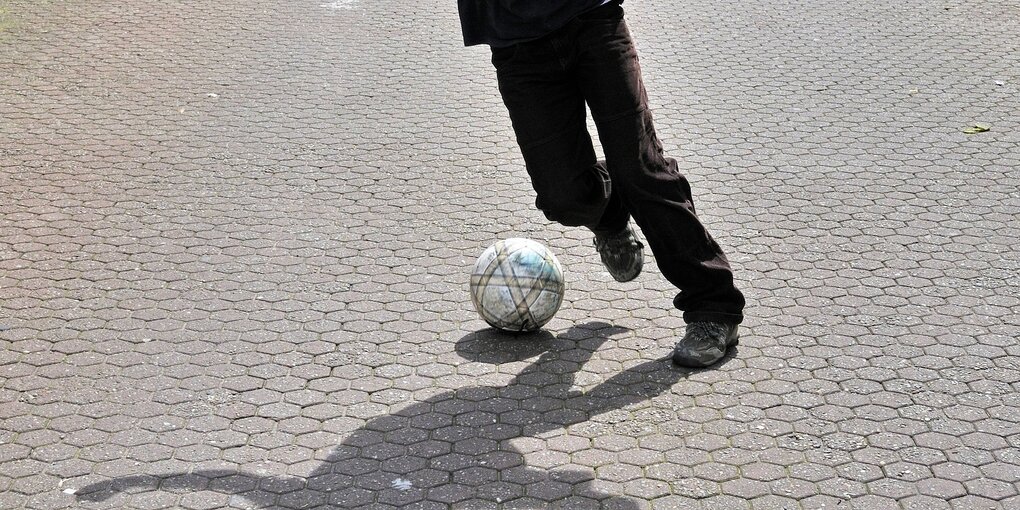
(517, 285)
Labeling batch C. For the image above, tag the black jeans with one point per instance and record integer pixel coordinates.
(545, 84)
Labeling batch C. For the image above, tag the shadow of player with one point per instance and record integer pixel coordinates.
(455, 448)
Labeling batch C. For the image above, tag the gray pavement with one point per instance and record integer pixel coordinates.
(235, 240)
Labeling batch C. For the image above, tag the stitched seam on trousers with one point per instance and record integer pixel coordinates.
(619, 116)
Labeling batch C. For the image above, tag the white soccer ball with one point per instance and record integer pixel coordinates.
(517, 285)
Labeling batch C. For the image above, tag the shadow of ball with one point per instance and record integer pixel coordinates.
(495, 346)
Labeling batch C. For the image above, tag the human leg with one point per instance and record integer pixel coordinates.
(548, 116)
(649, 184)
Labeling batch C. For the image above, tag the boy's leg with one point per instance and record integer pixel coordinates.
(649, 184)
(548, 115)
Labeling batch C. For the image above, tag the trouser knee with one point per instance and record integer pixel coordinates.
(577, 202)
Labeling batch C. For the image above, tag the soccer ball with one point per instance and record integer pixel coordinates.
(517, 285)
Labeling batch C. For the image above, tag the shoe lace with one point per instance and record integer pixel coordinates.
(705, 329)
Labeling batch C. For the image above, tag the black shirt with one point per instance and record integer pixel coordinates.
(501, 23)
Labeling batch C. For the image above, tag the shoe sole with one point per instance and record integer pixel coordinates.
(625, 279)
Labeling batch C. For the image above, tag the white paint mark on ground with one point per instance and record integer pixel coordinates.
(340, 4)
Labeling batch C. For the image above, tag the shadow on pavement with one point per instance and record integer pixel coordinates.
(454, 448)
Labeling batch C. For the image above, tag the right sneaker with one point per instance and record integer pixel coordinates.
(621, 253)
(705, 343)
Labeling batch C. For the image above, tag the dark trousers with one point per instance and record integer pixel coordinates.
(545, 85)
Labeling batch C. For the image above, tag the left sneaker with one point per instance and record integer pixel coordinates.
(621, 253)
(705, 344)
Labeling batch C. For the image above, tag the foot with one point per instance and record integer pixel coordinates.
(704, 344)
(621, 253)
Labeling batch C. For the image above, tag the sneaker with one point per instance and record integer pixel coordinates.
(621, 253)
(704, 344)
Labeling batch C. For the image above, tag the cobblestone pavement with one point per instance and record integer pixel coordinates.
(236, 238)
